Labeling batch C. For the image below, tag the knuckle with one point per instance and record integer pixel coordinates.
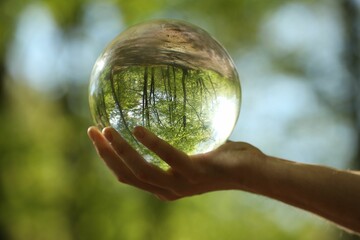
(193, 174)
(193, 178)
(103, 152)
(153, 144)
(120, 150)
(121, 153)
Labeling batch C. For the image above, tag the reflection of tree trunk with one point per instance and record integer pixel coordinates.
(184, 75)
(105, 108)
(351, 18)
(102, 110)
(145, 103)
(174, 80)
(169, 95)
(118, 105)
(153, 97)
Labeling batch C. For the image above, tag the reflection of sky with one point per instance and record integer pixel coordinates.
(224, 111)
(281, 112)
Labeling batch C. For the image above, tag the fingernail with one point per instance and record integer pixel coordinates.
(139, 132)
(91, 131)
(108, 134)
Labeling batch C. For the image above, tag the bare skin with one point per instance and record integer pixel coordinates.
(330, 193)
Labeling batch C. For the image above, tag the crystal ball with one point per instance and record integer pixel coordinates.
(171, 77)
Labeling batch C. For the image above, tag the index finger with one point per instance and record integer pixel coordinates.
(177, 159)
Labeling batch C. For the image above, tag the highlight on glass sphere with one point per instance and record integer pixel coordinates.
(171, 77)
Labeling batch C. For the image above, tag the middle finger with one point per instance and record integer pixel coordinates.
(144, 171)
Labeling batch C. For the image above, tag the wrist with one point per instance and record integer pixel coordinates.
(263, 174)
(253, 174)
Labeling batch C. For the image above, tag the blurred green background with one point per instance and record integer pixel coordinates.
(299, 68)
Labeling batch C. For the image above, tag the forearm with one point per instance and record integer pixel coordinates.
(327, 192)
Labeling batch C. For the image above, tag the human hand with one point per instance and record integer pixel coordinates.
(234, 165)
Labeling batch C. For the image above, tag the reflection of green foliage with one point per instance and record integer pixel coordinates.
(173, 102)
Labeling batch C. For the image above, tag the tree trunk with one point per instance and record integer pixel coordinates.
(351, 18)
(2, 82)
(4, 234)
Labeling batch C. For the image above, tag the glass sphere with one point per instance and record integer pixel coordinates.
(171, 77)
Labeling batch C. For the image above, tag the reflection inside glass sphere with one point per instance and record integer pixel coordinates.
(172, 78)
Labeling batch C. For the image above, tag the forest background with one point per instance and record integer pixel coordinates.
(299, 67)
